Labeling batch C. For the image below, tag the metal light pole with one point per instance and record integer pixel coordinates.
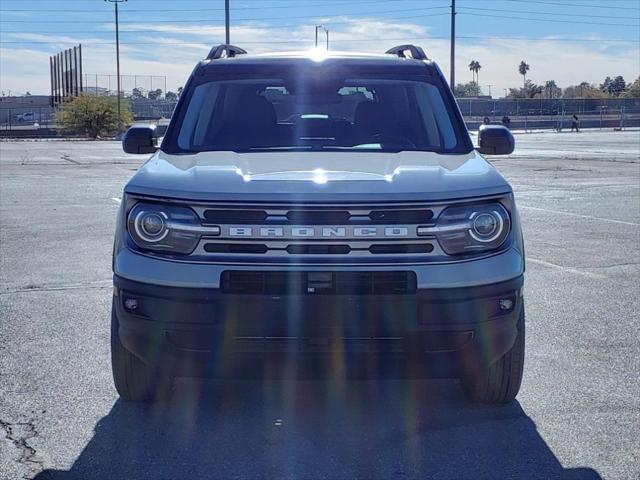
(326, 31)
(115, 4)
(489, 85)
(452, 76)
(227, 34)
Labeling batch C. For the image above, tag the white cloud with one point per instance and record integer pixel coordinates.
(153, 52)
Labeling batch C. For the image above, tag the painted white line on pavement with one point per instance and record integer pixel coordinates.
(578, 215)
(117, 200)
(566, 269)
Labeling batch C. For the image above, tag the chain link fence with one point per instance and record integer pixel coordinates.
(27, 118)
(523, 114)
(152, 109)
(554, 114)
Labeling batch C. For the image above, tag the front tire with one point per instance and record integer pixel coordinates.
(500, 383)
(135, 380)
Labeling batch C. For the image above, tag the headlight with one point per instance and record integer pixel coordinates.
(151, 227)
(472, 228)
(164, 228)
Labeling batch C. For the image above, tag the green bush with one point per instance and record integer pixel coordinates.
(93, 116)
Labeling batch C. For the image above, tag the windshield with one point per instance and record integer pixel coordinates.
(316, 114)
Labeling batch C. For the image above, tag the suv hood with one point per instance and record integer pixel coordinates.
(317, 176)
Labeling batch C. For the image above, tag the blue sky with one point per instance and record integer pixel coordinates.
(568, 41)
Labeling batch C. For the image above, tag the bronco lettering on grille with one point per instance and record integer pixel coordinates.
(317, 232)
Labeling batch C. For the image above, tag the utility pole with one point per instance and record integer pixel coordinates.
(452, 76)
(115, 4)
(227, 33)
(489, 85)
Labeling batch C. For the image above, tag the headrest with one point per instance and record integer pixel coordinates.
(255, 110)
(372, 117)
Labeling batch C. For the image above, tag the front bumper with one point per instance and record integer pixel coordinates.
(434, 332)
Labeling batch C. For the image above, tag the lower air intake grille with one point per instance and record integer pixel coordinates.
(318, 283)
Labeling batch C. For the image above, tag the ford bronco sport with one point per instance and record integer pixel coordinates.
(318, 213)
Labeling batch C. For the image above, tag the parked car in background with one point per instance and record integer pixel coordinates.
(28, 117)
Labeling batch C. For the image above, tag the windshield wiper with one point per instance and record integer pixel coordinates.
(258, 149)
(386, 149)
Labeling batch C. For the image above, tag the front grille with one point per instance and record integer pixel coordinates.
(379, 249)
(401, 216)
(235, 248)
(234, 216)
(315, 233)
(329, 283)
(319, 249)
(320, 217)
(390, 216)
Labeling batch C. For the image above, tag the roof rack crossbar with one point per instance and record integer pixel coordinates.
(224, 50)
(400, 50)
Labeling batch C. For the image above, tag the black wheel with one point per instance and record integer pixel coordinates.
(134, 379)
(501, 382)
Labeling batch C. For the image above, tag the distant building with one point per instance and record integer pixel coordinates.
(96, 91)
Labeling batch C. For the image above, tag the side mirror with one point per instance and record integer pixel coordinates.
(140, 139)
(495, 140)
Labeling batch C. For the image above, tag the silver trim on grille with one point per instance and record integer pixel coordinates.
(279, 237)
(357, 249)
(325, 233)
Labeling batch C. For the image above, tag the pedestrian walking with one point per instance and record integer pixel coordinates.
(574, 123)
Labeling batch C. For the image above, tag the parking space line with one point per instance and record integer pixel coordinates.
(97, 284)
(117, 200)
(566, 269)
(590, 217)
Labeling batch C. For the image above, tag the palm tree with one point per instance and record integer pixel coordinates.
(475, 67)
(523, 69)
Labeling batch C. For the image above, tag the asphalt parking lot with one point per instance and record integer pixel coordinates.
(577, 416)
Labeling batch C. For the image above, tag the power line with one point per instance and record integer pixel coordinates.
(343, 40)
(361, 2)
(563, 4)
(324, 15)
(546, 13)
(332, 22)
(134, 10)
(212, 24)
(551, 20)
(296, 2)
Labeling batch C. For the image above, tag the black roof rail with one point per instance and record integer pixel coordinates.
(224, 50)
(416, 52)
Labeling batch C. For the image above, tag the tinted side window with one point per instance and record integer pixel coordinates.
(199, 118)
(435, 116)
